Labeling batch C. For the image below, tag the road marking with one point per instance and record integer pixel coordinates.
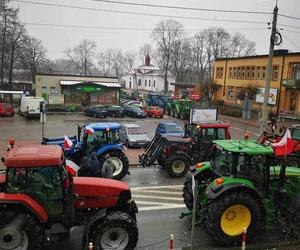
(158, 197)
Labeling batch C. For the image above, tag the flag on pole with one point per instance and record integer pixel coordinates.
(68, 143)
(285, 145)
(89, 130)
(72, 167)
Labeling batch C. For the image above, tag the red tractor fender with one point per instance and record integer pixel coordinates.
(27, 202)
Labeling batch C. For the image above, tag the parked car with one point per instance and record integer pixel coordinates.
(133, 135)
(135, 103)
(154, 111)
(169, 128)
(96, 111)
(134, 111)
(116, 111)
(6, 109)
(30, 106)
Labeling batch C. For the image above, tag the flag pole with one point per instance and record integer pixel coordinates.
(283, 167)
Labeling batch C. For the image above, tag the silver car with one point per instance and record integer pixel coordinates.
(133, 135)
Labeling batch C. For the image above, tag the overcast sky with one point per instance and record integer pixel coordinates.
(57, 39)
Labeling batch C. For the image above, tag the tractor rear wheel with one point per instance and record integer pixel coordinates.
(177, 165)
(118, 231)
(120, 161)
(188, 194)
(19, 230)
(292, 161)
(227, 216)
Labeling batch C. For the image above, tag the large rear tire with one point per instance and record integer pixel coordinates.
(227, 216)
(188, 194)
(118, 231)
(120, 160)
(177, 165)
(19, 230)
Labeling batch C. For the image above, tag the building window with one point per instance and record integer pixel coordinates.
(230, 73)
(258, 73)
(275, 73)
(22, 87)
(154, 83)
(146, 83)
(219, 73)
(130, 84)
(238, 72)
(243, 73)
(149, 83)
(53, 90)
(248, 73)
(140, 82)
(234, 73)
(230, 93)
(252, 72)
(263, 72)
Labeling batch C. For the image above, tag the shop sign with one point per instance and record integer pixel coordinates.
(88, 88)
(261, 94)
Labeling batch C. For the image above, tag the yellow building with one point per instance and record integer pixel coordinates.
(234, 74)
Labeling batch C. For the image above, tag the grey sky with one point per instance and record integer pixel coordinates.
(57, 39)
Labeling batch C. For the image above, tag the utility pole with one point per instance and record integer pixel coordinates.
(264, 118)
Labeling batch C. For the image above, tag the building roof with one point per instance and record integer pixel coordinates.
(11, 92)
(103, 84)
(81, 76)
(277, 53)
(34, 155)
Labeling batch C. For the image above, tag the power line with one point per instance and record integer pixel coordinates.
(139, 13)
(183, 8)
(292, 31)
(289, 26)
(291, 42)
(121, 28)
(287, 16)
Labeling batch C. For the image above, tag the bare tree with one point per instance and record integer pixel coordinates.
(34, 56)
(240, 46)
(128, 60)
(82, 56)
(166, 34)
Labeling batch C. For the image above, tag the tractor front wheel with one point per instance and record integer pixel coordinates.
(19, 230)
(118, 231)
(120, 161)
(177, 165)
(227, 216)
(188, 194)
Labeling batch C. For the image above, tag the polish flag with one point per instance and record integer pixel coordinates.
(285, 145)
(89, 130)
(72, 167)
(68, 143)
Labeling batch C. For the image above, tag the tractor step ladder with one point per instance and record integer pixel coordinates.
(154, 150)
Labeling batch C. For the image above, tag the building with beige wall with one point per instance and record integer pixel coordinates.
(234, 74)
(79, 90)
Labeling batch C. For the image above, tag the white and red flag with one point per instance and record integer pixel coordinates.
(72, 167)
(68, 143)
(285, 145)
(89, 130)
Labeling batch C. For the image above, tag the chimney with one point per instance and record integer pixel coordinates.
(147, 60)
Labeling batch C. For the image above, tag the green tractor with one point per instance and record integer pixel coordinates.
(181, 108)
(239, 189)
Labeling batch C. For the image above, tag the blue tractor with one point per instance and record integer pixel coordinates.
(103, 140)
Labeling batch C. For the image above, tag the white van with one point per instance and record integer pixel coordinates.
(30, 106)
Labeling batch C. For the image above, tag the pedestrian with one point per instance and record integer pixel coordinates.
(108, 168)
(93, 164)
(272, 122)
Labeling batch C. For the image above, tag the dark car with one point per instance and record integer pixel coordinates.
(170, 129)
(6, 109)
(134, 111)
(116, 111)
(96, 111)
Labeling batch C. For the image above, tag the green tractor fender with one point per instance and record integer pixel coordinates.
(203, 171)
(224, 185)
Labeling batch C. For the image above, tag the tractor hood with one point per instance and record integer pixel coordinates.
(98, 192)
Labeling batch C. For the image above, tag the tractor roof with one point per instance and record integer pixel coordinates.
(102, 126)
(34, 155)
(212, 124)
(249, 147)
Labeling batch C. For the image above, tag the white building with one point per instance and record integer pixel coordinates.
(147, 78)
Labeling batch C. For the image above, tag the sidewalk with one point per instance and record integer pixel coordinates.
(256, 122)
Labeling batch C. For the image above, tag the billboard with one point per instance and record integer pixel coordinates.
(57, 99)
(272, 96)
(201, 115)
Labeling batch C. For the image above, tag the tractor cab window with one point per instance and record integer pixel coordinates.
(221, 134)
(251, 168)
(99, 139)
(222, 162)
(43, 184)
(296, 134)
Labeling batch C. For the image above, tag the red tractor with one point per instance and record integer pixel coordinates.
(40, 202)
(177, 154)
